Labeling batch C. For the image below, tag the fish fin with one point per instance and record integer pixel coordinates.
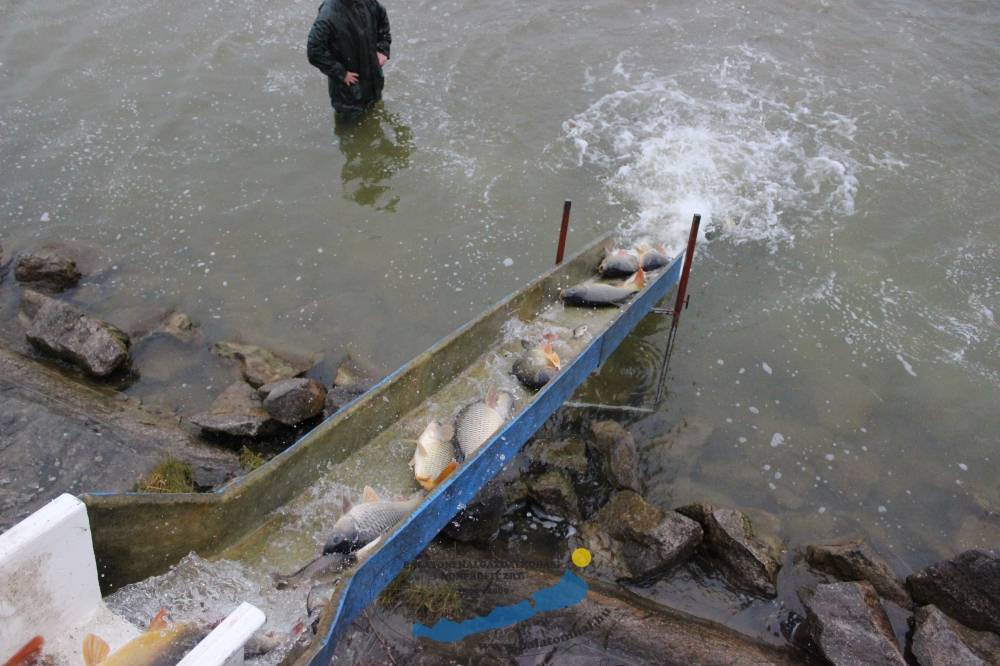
(421, 448)
(369, 495)
(447, 432)
(160, 621)
(345, 504)
(445, 473)
(95, 650)
(639, 279)
(27, 655)
(552, 357)
(491, 398)
(367, 549)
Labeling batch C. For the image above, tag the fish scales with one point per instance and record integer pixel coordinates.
(373, 519)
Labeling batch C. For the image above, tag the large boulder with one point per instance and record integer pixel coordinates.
(966, 587)
(632, 539)
(50, 266)
(941, 641)
(58, 328)
(261, 366)
(619, 455)
(292, 401)
(237, 412)
(848, 625)
(854, 559)
(747, 560)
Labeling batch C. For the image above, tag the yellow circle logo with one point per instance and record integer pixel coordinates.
(581, 557)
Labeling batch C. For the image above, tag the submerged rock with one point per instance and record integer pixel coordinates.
(58, 328)
(180, 326)
(747, 561)
(553, 491)
(941, 641)
(261, 366)
(292, 401)
(237, 412)
(966, 587)
(479, 521)
(632, 539)
(50, 267)
(619, 454)
(853, 560)
(848, 625)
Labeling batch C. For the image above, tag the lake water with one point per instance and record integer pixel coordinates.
(839, 365)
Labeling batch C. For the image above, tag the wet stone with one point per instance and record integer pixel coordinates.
(635, 540)
(848, 626)
(941, 641)
(59, 329)
(180, 326)
(237, 412)
(260, 366)
(50, 267)
(352, 380)
(966, 587)
(292, 401)
(619, 455)
(480, 521)
(748, 561)
(553, 491)
(567, 454)
(854, 560)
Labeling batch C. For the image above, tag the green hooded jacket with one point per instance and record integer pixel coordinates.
(346, 37)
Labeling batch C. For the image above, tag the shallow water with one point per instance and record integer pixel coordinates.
(841, 349)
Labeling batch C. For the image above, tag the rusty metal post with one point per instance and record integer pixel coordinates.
(678, 306)
(563, 231)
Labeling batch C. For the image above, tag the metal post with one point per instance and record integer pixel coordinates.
(678, 306)
(561, 250)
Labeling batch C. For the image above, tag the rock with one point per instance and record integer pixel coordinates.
(848, 625)
(50, 267)
(208, 477)
(966, 587)
(941, 641)
(237, 412)
(259, 365)
(620, 457)
(853, 560)
(292, 401)
(62, 330)
(351, 381)
(479, 521)
(180, 326)
(566, 454)
(748, 562)
(554, 492)
(974, 532)
(634, 540)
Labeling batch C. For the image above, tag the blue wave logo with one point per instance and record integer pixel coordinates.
(570, 590)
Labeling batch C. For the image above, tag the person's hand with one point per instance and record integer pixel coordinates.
(351, 78)
(382, 59)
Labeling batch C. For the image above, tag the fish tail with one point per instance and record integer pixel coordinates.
(160, 621)
(445, 473)
(95, 650)
(31, 650)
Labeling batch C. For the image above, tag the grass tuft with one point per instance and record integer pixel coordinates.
(170, 476)
(428, 601)
(250, 460)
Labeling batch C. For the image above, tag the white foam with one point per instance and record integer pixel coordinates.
(730, 151)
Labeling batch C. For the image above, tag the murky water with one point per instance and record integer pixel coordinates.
(840, 357)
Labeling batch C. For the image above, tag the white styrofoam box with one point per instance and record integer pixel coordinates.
(224, 646)
(48, 574)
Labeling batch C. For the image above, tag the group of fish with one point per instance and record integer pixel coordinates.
(631, 264)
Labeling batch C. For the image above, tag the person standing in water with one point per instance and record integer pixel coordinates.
(349, 42)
